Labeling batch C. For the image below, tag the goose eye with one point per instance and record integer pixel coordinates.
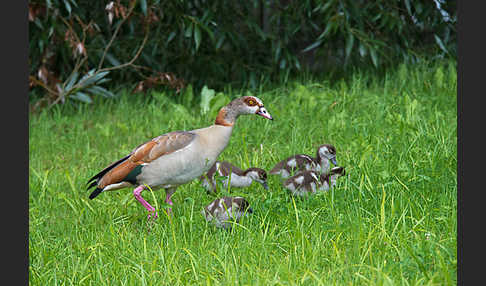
(251, 101)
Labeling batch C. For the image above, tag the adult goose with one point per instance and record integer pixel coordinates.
(309, 182)
(221, 211)
(238, 178)
(326, 153)
(174, 158)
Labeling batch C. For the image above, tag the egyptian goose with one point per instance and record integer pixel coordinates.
(174, 158)
(301, 162)
(238, 178)
(309, 182)
(221, 211)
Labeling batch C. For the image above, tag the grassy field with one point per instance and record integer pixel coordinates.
(390, 221)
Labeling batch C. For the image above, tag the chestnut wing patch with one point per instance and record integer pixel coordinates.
(169, 143)
(161, 145)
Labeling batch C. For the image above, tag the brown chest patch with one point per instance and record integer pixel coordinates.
(221, 118)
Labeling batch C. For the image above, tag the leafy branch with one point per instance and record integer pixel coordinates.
(80, 87)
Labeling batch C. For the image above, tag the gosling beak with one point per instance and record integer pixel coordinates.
(334, 161)
(265, 185)
(263, 112)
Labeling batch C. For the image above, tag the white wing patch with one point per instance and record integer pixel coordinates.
(299, 180)
(284, 174)
(117, 186)
(211, 205)
(218, 170)
(292, 163)
(307, 157)
(290, 187)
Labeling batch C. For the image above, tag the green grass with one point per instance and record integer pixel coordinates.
(390, 221)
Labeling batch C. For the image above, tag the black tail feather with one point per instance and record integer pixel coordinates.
(92, 184)
(94, 180)
(95, 193)
(107, 169)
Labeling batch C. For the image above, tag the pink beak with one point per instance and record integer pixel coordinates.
(263, 112)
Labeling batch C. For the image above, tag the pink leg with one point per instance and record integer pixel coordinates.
(138, 195)
(168, 194)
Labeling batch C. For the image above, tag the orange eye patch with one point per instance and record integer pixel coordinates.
(251, 102)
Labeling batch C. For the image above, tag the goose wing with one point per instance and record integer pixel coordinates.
(142, 154)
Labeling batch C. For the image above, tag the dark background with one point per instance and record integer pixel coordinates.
(168, 45)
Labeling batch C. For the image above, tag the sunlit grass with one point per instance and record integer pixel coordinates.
(390, 221)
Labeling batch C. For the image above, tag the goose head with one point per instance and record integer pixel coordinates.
(242, 205)
(258, 175)
(328, 152)
(240, 106)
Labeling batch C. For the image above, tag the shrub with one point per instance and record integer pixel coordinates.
(219, 43)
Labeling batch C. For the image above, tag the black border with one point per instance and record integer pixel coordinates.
(470, 91)
(15, 130)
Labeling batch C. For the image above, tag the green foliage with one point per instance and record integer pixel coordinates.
(88, 83)
(241, 43)
(392, 220)
(211, 102)
(206, 96)
(218, 101)
(187, 96)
